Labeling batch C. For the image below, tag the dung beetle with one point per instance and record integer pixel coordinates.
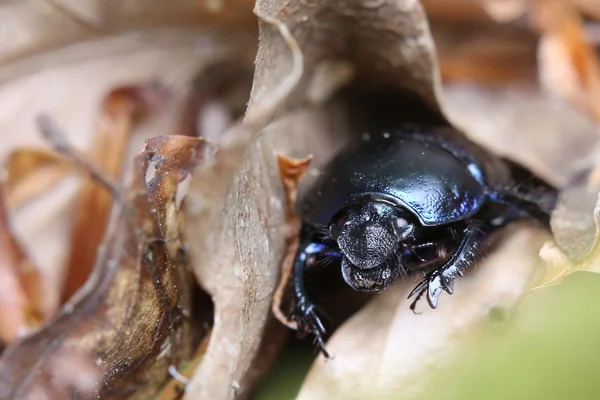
(408, 200)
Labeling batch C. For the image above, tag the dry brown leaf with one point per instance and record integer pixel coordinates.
(568, 63)
(505, 10)
(458, 11)
(121, 108)
(30, 173)
(473, 46)
(590, 8)
(485, 52)
(142, 276)
(290, 171)
(59, 23)
(576, 228)
(72, 81)
(21, 294)
(296, 43)
(490, 41)
(213, 220)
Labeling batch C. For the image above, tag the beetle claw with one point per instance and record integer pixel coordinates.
(448, 285)
(309, 322)
(434, 289)
(434, 283)
(419, 289)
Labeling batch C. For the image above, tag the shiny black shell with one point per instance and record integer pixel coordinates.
(420, 176)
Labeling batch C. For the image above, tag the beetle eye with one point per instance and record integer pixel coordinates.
(334, 231)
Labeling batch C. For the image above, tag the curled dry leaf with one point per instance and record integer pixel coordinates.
(291, 171)
(226, 233)
(140, 275)
(21, 295)
(234, 216)
(576, 228)
(387, 43)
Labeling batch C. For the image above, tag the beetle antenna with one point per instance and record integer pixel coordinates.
(413, 251)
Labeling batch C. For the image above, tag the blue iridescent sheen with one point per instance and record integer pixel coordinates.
(437, 187)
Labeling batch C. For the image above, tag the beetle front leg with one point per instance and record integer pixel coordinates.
(305, 312)
(443, 278)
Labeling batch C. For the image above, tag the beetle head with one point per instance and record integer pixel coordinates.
(368, 234)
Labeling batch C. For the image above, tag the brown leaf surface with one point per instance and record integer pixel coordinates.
(382, 42)
(21, 297)
(41, 26)
(236, 284)
(290, 171)
(140, 276)
(30, 173)
(568, 63)
(485, 52)
(576, 228)
(507, 121)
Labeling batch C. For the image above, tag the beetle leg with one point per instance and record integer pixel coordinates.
(414, 247)
(533, 201)
(442, 279)
(531, 195)
(305, 312)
